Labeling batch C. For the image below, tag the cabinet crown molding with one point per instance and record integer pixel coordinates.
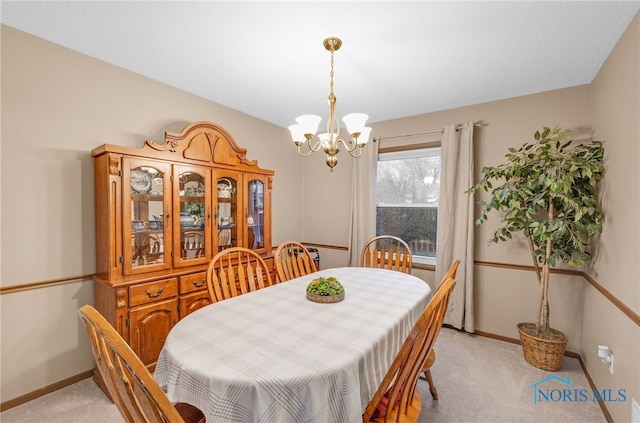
(199, 143)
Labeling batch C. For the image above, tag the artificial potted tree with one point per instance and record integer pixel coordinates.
(549, 195)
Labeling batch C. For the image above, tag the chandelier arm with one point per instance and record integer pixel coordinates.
(350, 146)
(358, 151)
(304, 154)
(311, 148)
(315, 147)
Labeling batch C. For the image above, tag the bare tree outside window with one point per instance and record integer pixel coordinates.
(407, 190)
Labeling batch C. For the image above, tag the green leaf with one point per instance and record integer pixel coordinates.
(548, 171)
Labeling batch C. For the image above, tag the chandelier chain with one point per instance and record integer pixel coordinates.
(331, 76)
(333, 125)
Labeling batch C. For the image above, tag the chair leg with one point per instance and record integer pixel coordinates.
(432, 386)
(426, 369)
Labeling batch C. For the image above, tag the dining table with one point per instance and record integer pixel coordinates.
(274, 356)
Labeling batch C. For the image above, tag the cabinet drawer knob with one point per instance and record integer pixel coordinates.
(157, 294)
(199, 284)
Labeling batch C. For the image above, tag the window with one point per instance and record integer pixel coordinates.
(407, 192)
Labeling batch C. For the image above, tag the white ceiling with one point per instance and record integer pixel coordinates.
(398, 58)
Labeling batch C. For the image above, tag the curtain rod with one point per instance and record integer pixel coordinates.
(433, 131)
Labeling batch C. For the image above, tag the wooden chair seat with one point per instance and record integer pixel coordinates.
(132, 388)
(387, 252)
(293, 260)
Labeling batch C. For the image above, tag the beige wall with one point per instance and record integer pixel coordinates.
(615, 117)
(57, 105)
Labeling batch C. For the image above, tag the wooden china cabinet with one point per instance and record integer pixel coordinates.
(162, 212)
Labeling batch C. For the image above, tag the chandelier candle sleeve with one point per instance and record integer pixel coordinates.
(304, 131)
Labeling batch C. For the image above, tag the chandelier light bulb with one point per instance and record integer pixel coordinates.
(355, 122)
(364, 136)
(297, 134)
(309, 123)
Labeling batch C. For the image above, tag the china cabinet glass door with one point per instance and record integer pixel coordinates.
(226, 216)
(192, 215)
(146, 213)
(255, 214)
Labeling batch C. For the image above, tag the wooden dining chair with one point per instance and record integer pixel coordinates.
(193, 245)
(132, 388)
(387, 252)
(426, 369)
(146, 249)
(224, 238)
(396, 399)
(251, 238)
(293, 260)
(235, 271)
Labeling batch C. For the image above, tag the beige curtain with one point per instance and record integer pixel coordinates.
(456, 222)
(363, 201)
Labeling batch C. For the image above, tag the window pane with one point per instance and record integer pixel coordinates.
(414, 180)
(407, 190)
(415, 225)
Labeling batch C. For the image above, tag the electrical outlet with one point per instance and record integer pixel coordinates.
(635, 411)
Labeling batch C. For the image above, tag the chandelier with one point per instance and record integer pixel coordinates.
(305, 129)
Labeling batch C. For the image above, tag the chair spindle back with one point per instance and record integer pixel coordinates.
(387, 252)
(293, 260)
(235, 271)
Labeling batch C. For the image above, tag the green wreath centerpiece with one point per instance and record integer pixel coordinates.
(325, 290)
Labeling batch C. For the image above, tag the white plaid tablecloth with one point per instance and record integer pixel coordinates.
(273, 356)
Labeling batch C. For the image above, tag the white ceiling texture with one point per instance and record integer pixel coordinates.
(398, 58)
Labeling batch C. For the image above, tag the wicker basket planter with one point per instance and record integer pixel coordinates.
(325, 298)
(542, 353)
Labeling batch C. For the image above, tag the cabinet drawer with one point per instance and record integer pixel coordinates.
(194, 282)
(153, 291)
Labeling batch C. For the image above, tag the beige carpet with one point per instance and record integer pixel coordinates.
(478, 380)
(485, 380)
